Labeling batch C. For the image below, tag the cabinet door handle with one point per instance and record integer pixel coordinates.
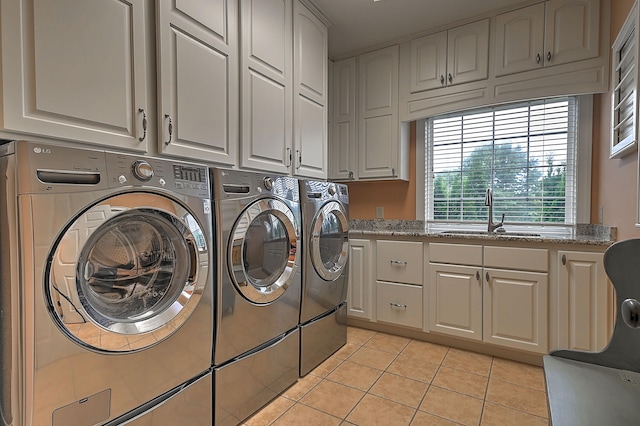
(299, 155)
(350, 174)
(487, 277)
(398, 305)
(290, 157)
(564, 259)
(398, 262)
(144, 124)
(441, 80)
(169, 128)
(538, 58)
(450, 78)
(549, 56)
(478, 275)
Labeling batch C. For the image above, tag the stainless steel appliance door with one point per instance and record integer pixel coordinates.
(263, 255)
(123, 277)
(329, 241)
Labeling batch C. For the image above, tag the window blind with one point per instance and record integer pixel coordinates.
(624, 91)
(525, 152)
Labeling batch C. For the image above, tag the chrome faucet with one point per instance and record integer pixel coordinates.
(488, 201)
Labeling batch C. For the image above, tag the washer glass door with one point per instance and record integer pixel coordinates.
(329, 243)
(263, 255)
(130, 276)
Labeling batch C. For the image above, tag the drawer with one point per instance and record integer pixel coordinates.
(399, 261)
(399, 304)
(459, 254)
(525, 259)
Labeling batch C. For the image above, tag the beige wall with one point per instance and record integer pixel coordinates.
(614, 182)
(398, 198)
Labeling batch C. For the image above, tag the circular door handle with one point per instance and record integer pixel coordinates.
(450, 78)
(630, 311)
(538, 58)
(441, 80)
(549, 56)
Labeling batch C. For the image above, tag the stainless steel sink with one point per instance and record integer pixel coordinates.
(495, 234)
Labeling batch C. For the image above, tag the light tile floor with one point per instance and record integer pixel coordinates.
(382, 379)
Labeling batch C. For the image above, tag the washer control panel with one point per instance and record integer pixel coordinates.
(183, 178)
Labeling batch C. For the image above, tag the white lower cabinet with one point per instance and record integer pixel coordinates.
(454, 292)
(399, 304)
(360, 290)
(515, 310)
(584, 296)
(399, 267)
(473, 295)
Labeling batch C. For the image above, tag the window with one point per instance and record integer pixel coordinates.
(524, 152)
(624, 75)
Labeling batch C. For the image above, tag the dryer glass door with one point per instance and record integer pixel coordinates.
(263, 255)
(130, 276)
(329, 242)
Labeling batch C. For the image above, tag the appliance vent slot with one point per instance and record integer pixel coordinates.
(236, 189)
(68, 177)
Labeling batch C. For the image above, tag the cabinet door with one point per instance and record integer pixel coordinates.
(360, 290)
(379, 128)
(468, 53)
(310, 77)
(343, 145)
(266, 82)
(197, 80)
(572, 30)
(583, 301)
(455, 300)
(429, 62)
(519, 40)
(515, 309)
(75, 70)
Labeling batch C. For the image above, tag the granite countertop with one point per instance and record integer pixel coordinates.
(583, 234)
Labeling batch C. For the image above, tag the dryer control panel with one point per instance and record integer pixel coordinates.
(183, 178)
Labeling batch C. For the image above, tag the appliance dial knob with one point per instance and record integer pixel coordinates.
(332, 189)
(268, 183)
(142, 170)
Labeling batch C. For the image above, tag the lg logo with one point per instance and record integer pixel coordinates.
(39, 150)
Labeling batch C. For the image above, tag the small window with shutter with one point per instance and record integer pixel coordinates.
(624, 74)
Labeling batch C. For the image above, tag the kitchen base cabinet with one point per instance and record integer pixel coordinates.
(399, 304)
(584, 296)
(515, 309)
(360, 289)
(454, 292)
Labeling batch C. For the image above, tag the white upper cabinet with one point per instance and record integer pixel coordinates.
(75, 70)
(343, 162)
(380, 152)
(198, 80)
(266, 82)
(310, 60)
(459, 55)
(544, 34)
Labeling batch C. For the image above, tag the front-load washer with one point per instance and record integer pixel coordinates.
(325, 247)
(107, 301)
(256, 349)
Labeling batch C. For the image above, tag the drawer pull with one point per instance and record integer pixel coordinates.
(398, 305)
(398, 262)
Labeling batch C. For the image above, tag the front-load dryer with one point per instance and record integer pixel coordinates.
(107, 302)
(256, 350)
(325, 246)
